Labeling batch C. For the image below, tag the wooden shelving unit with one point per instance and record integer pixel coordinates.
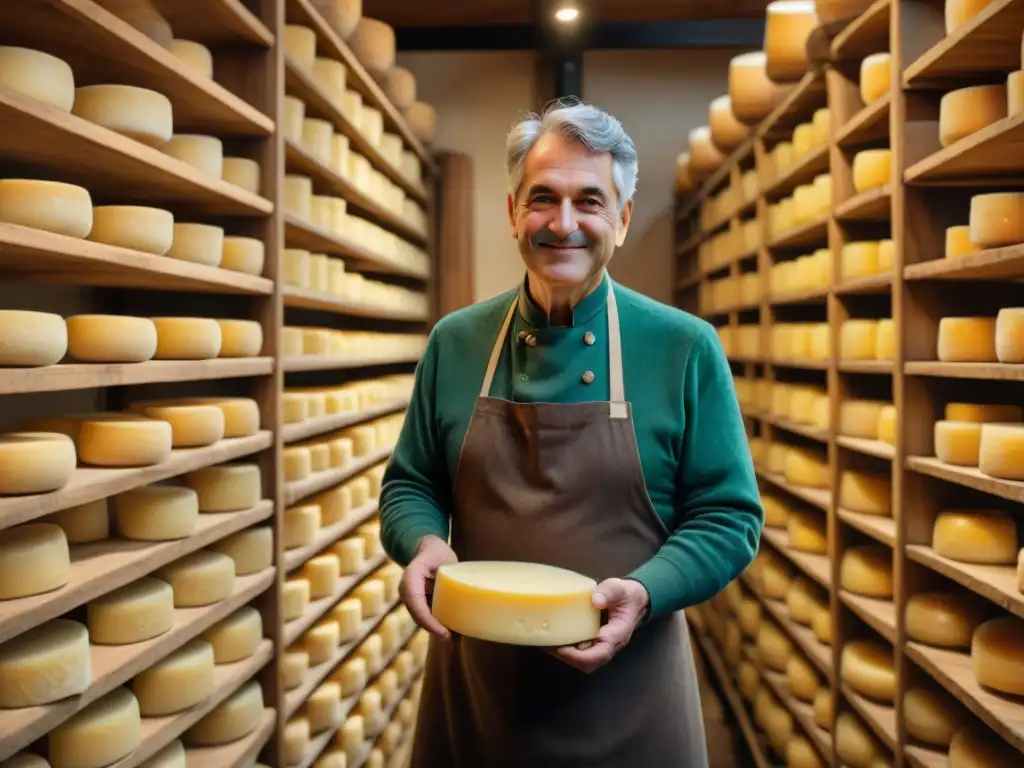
(929, 191)
(243, 106)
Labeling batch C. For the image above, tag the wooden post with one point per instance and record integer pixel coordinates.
(456, 255)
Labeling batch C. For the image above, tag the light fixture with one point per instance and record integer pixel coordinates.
(567, 14)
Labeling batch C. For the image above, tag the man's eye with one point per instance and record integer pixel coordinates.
(590, 202)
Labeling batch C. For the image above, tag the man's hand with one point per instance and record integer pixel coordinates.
(626, 602)
(418, 582)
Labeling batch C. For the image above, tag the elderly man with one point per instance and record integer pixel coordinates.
(576, 423)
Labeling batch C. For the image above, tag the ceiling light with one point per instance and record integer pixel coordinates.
(567, 14)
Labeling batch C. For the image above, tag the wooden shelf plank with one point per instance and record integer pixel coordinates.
(880, 367)
(813, 433)
(386, 716)
(993, 264)
(220, 22)
(878, 614)
(818, 653)
(866, 34)
(997, 583)
(870, 447)
(235, 754)
(807, 96)
(880, 717)
(810, 296)
(969, 477)
(329, 535)
(306, 299)
(91, 484)
(805, 234)
(802, 712)
(987, 45)
(104, 566)
(868, 284)
(302, 12)
(815, 566)
(158, 732)
(111, 165)
(292, 433)
(113, 665)
(807, 365)
(954, 671)
(65, 376)
(818, 497)
(298, 161)
(880, 528)
(869, 125)
(304, 234)
(922, 757)
(101, 48)
(301, 363)
(321, 481)
(990, 371)
(810, 165)
(37, 256)
(991, 155)
(871, 205)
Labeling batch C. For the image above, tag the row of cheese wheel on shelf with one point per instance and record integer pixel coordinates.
(724, 203)
(36, 558)
(996, 220)
(36, 339)
(302, 403)
(729, 293)
(788, 154)
(859, 340)
(808, 203)
(138, 113)
(982, 339)
(326, 274)
(805, 273)
(982, 436)
(341, 504)
(67, 209)
(338, 450)
(332, 150)
(966, 111)
(729, 245)
(330, 213)
(370, 37)
(43, 456)
(362, 345)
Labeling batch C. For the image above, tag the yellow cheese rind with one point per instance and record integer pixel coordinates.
(943, 619)
(234, 718)
(958, 242)
(251, 549)
(807, 533)
(197, 243)
(997, 655)
(38, 75)
(45, 664)
(200, 578)
(134, 613)
(855, 744)
(240, 338)
(968, 110)
(869, 494)
(237, 637)
(294, 599)
(104, 732)
(959, 12)
(192, 425)
(803, 679)
(85, 523)
(788, 24)
(958, 442)
(242, 172)
(243, 254)
(111, 338)
(997, 219)
(1010, 335)
(932, 716)
(34, 462)
(516, 603)
(987, 537)
(157, 512)
(51, 206)
(140, 228)
(30, 339)
(171, 756)
(872, 168)
(186, 338)
(752, 94)
(180, 680)
(867, 570)
(875, 78)
(195, 56)
(138, 113)
(867, 667)
(967, 340)
(976, 746)
(34, 559)
(205, 153)
(773, 647)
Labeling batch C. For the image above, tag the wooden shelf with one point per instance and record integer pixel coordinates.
(804, 234)
(292, 433)
(992, 155)
(990, 371)
(880, 528)
(235, 754)
(104, 566)
(997, 583)
(968, 477)
(810, 296)
(329, 535)
(304, 234)
(869, 284)
(304, 298)
(869, 125)
(866, 34)
(994, 264)
(805, 97)
(870, 447)
(819, 654)
(802, 712)
(322, 481)
(301, 363)
(815, 566)
(880, 717)
(814, 496)
(91, 484)
(113, 665)
(821, 435)
(221, 22)
(871, 205)
(880, 367)
(810, 165)
(878, 614)
(113, 166)
(64, 376)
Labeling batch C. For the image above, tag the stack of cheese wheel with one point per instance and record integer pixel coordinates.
(788, 24)
(727, 133)
(866, 339)
(958, 435)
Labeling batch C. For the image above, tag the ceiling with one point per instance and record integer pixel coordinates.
(496, 13)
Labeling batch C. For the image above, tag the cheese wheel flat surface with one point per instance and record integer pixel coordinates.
(51, 206)
(134, 613)
(181, 680)
(200, 578)
(34, 462)
(34, 559)
(788, 23)
(138, 113)
(102, 733)
(251, 549)
(235, 717)
(986, 537)
(943, 619)
(45, 664)
(516, 603)
(111, 338)
(157, 512)
(186, 338)
(38, 75)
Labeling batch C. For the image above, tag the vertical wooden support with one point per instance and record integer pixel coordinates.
(455, 258)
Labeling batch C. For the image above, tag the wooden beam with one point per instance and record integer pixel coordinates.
(456, 255)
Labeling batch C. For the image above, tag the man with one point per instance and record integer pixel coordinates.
(575, 423)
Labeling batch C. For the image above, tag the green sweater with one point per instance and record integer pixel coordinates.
(689, 431)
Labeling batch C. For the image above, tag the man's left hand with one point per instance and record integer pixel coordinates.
(626, 602)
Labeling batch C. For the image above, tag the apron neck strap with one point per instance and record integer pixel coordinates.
(616, 391)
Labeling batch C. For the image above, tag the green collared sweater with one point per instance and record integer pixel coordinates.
(689, 431)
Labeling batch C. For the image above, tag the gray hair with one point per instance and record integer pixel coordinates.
(594, 128)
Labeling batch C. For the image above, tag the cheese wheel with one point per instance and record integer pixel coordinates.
(705, 157)
(867, 570)
(983, 412)
(198, 243)
(1015, 93)
(104, 732)
(352, 735)
(195, 56)
(773, 647)
(869, 494)
(391, 576)
(968, 110)
(349, 615)
(872, 168)
(997, 653)
(181, 680)
(752, 94)
(803, 679)
(192, 425)
(799, 603)
(748, 679)
(373, 43)
(867, 667)
(234, 718)
(240, 338)
(855, 744)
(226, 488)
(34, 559)
(134, 613)
(858, 339)
(823, 709)
(237, 637)
(300, 45)
(727, 133)
(203, 152)
(251, 549)
(294, 665)
(330, 76)
(352, 555)
(243, 173)
(975, 536)
(301, 525)
(45, 664)
(243, 254)
(138, 113)
(171, 756)
(943, 619)
(186, 338)
(859, 418)
(958, 442)
(137, 227)
(932, 715)
(371, 595)
(997, 219)
(322, 572)
(323, 708)
(885, 340)
(800, 754)
(516, 603)
(859, 259)
(958, 242)
(875, 77)
(887, 425)
(37, 75)
(31, 339)
(788, 24)
(400, 87)
(111, 338)
(157, 512)
(85, 523)
(294, 598)
(807, 533)
(52, 206)
(298, 194)
(1010, 335)
(776, 512)
(316, 141)
(806, 468)
(200, 578)
(352, 676)
(34, 462)
(975, 746)
(967, 340)
(959, 12)
(321, 641)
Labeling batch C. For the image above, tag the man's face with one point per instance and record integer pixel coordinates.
(566, 217)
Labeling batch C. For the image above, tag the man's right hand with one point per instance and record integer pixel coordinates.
(418, 582)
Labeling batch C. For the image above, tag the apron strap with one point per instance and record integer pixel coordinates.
(617, 391)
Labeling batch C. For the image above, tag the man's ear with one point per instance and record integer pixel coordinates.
(512, 215)
(624, 219)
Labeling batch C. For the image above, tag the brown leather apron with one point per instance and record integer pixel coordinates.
(560, 484)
